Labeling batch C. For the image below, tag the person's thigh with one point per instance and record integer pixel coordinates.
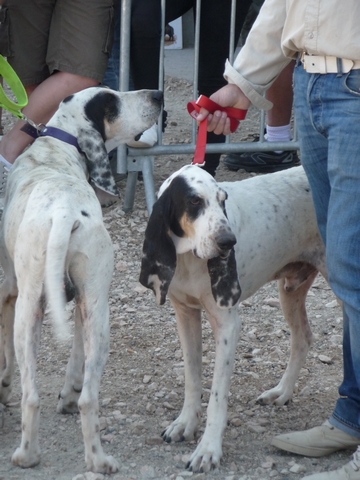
(313, 145)
(81, 37)
(343, 231)
(30, 22)
(327, 110)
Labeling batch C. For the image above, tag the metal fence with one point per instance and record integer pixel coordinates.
(130, 161)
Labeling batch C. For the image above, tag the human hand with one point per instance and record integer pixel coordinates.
(228, 96)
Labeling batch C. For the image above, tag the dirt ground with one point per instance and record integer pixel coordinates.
(143, 384)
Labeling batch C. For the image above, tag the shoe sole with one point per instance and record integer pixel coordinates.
(267, 169)
(307, 451)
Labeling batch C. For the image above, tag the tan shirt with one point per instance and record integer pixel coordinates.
(285, 27)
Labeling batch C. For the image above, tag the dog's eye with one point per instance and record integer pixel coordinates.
(195, 200)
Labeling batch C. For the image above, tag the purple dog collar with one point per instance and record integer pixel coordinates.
(51, 132)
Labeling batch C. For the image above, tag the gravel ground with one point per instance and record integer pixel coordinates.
(143, 383)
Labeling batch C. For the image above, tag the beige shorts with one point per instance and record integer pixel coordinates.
(73, 36)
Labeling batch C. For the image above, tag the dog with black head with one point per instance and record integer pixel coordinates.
(203, 241)
(54, 247)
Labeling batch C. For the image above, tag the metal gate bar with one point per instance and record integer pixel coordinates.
(130, 161)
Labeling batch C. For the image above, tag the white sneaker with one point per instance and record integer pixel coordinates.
(147, 139)
(350, 471)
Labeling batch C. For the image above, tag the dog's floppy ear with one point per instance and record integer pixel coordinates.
(224, 280)
(159, 254)
(97, 161)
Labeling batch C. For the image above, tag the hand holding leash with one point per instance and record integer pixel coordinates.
(234, 115)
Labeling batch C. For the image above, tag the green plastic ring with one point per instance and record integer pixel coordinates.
(9, 75)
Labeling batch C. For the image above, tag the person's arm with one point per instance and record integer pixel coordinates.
(256, 67)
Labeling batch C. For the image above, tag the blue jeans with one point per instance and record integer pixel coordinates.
(327, 110)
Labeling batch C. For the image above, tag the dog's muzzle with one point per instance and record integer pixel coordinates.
(225, 243)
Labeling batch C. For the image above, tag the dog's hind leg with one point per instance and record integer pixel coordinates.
(29, 314)
(8, 295)
(70, 393)
(95, 313)
(189, 328)
(292, 298)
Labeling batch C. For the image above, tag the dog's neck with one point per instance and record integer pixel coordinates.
(182, 244)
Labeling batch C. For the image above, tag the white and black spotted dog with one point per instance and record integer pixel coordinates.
(203, 241)
(54, 247)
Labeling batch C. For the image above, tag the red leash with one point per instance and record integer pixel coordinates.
(234, 114)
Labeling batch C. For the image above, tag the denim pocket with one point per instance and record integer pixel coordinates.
(4, 32)
(352, 82)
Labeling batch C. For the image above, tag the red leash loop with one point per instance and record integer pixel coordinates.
(234, 114)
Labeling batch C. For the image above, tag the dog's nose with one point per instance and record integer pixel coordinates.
(226, 241)
(158, 96)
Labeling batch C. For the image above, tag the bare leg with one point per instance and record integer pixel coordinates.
(281, 95)
(43, 102)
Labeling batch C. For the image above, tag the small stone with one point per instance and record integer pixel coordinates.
(272, 302)
(150, 408)
(154, 440)
(147, 471)
(268, 464)
(105, 402)
(332, 304)
(296, 468)
(305, 392)
(256, 428)
(236, 422)
(103, 423)
(146, 378)
(89, 476)
(325, 359)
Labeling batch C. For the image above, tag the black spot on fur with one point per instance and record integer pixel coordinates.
(182, 199)
(103, 106)
(84, 213)
(67, 99)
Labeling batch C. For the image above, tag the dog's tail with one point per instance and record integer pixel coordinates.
(55, 271)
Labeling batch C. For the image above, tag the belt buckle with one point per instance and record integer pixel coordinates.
(302, 59)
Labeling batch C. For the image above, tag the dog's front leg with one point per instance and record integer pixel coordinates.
(69, 395)
(189, 328)
(226, 326)
(28, 320)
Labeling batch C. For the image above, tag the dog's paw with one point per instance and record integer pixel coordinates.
(26, 458)
(275, 396)
(102, 464)
(183, 428)
(206, 457)
(68, 403)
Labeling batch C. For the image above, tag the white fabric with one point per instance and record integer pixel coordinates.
(285, 27)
